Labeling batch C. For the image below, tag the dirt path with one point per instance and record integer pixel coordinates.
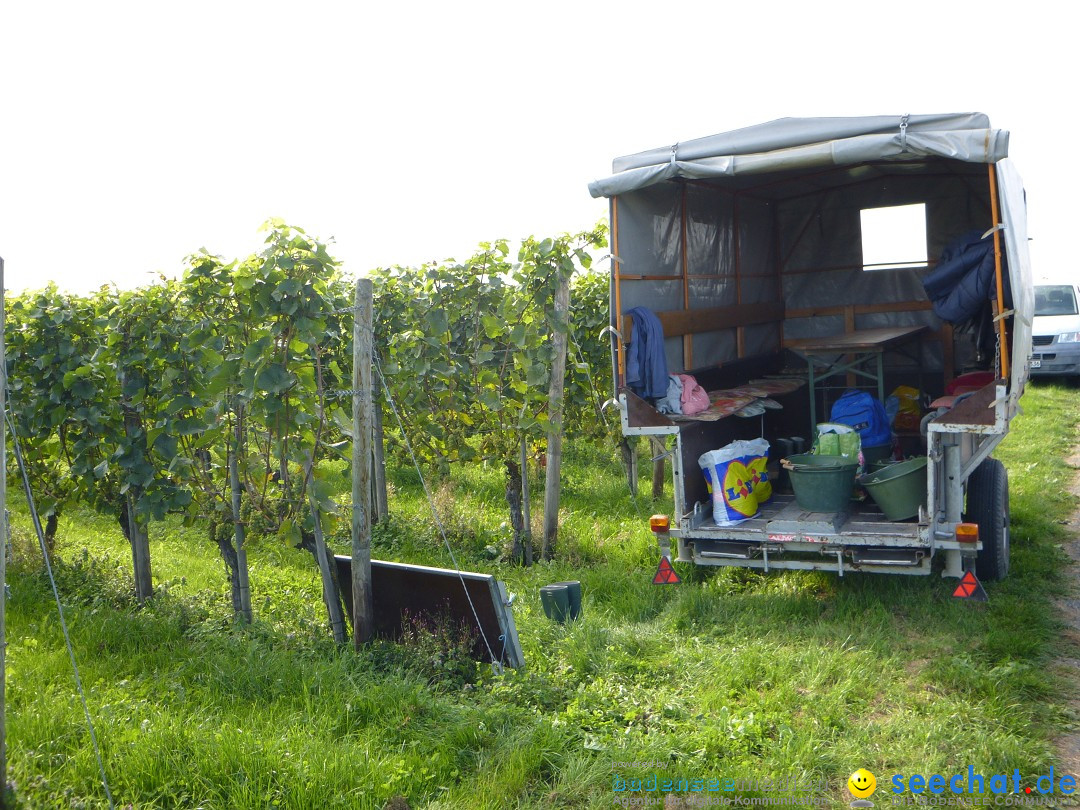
(1068, 744)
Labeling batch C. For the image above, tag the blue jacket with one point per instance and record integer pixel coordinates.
(964, 278)
(646, 365)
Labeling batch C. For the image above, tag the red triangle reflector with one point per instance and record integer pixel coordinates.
(665, 574)
(970, 588)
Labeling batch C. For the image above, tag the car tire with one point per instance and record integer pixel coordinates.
(988, 506)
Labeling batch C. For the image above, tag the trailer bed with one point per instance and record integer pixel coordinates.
(783, 535)
(783, 520)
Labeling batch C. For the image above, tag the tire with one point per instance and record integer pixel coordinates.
(988, 506)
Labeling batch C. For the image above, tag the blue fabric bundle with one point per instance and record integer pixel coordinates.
(646, 365)
(962, 282)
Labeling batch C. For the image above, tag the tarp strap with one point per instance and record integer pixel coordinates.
(903, 131)
(674, 151)
(998, 227)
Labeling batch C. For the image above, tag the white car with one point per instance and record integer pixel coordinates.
(1055, 332)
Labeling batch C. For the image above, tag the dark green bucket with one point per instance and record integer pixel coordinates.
(825, 485)
(898, 489)
(816, 460)
(874, 454)
(573, 591)
(555, 600)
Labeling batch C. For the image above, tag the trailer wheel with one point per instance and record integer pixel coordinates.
(988, 505)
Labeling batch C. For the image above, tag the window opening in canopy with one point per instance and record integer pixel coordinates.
(894, 237)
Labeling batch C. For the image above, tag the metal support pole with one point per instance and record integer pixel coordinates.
(954, 500)
(954, 492)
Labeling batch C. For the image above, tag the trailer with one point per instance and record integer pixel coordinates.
(751, 249)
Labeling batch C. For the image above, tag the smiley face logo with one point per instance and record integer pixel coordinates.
(861, 783)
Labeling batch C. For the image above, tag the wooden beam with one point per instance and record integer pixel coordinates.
(616, 282)
(859, 309)
(555, 413)
(740, 331)
(363, 611)
(677, 323)
(688, 339)
(849, 326)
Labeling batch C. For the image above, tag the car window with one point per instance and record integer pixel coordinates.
(1055, 299)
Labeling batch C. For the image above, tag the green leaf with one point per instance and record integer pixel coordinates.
(492, 326)
(274, 379)
(256, 349)
(189, 425)
(289, 532)
(536, 375)
(101, 470)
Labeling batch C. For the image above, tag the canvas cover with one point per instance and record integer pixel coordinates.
(801, 143)
(770, 214)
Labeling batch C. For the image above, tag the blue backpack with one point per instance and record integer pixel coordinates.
(865, 413)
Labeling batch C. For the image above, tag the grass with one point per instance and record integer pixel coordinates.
(733, 674)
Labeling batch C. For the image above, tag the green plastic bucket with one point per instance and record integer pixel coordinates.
(573, 591)
(824, 487)
(816, 460)
(898, 489)
(555, 600)
(882, 464)
(879, 453)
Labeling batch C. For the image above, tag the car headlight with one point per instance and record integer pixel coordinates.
(1069, 337)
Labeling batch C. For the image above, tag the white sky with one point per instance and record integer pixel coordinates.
(132, 134)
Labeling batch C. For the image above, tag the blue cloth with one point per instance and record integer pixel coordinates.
(672, 401)
(964, 278)
(646, 365)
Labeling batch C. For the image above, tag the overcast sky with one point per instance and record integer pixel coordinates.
(132, 134)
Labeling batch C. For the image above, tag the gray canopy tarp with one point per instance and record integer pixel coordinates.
(699, 244)
(801, 143)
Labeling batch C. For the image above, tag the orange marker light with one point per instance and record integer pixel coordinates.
(660, 523)
(967, 532)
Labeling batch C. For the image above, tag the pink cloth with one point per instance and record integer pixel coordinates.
(694, 398)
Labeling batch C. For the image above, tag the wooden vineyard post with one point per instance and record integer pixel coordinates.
(658, 451)
(555, 411)
(629, 459)
(361, 464)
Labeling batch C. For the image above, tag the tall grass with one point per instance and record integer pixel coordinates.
(731, 674)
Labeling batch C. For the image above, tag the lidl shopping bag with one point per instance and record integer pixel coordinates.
(756, 460)
(735, 474)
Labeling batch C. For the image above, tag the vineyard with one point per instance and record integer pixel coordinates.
(185, 441)
(219, 396)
